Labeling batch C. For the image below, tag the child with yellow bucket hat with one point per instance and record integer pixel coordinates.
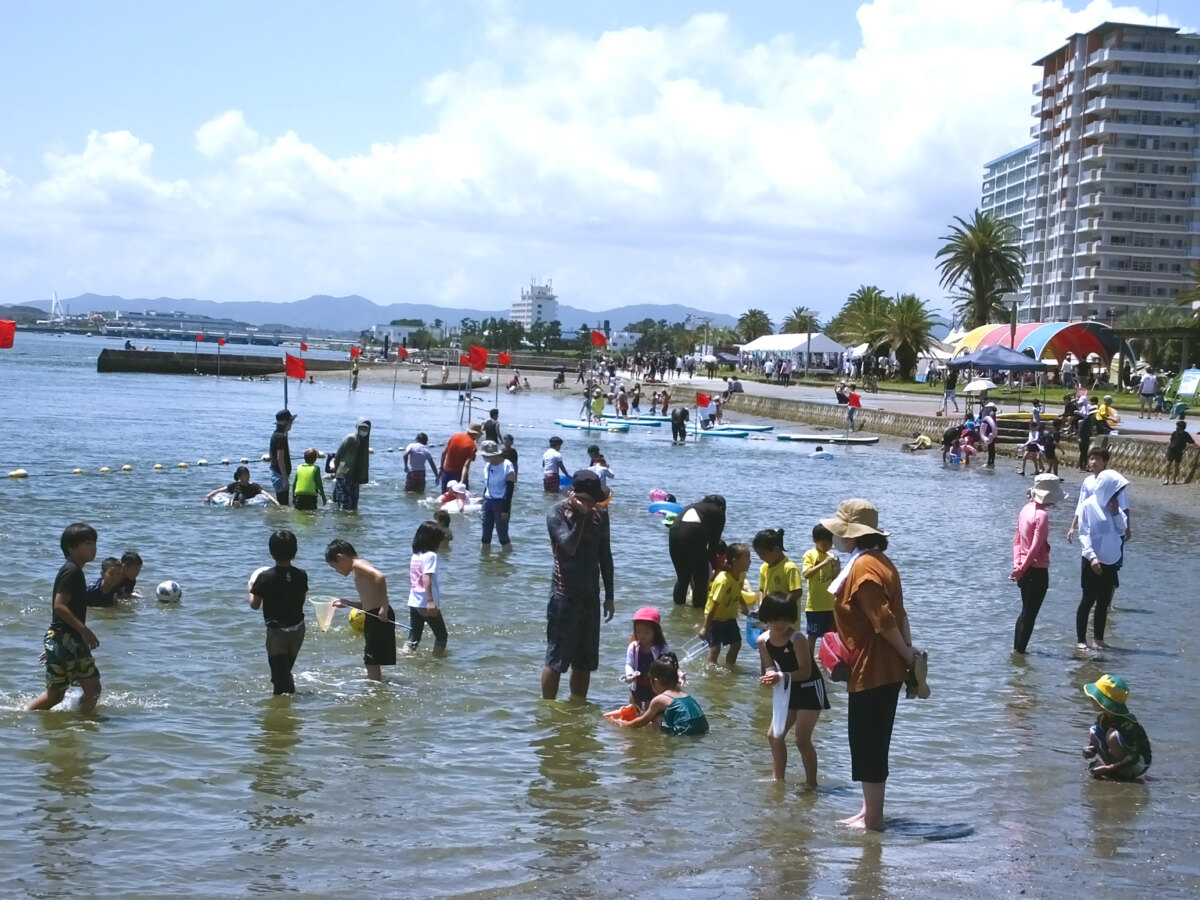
(1118, 747)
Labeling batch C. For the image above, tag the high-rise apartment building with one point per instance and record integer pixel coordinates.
(537, 304)
(1112, 218)
(1009, 184)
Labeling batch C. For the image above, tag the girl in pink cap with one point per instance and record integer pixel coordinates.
(647, 645)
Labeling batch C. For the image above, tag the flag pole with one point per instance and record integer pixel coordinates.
(497, 403)
(285, 380)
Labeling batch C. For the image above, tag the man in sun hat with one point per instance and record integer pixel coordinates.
(1118, 747)
(499, 478)
(579, 539)
(873, 624)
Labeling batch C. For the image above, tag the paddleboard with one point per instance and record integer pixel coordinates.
(719, 432)
(618, 427)
(729, 426)
(642, 423)
(828, 438)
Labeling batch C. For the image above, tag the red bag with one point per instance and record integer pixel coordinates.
(835, 657)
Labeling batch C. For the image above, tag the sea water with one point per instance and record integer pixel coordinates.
(455, 778)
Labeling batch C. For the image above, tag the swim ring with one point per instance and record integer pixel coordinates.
(987, 429)
(226, 499)
(662, 507)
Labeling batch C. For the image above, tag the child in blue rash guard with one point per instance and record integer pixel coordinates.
(673, 708)
(103, 591)
(1118, 747)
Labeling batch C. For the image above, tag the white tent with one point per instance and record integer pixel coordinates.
(793, 344)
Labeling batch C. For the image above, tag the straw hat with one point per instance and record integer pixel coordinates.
(1047, 490)
(1110, 694)
(854, 519)
(490, 448)
(475, 429)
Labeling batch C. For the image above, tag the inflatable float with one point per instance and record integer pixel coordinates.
(602, 425)
(829, 438)
(226, 499)
(663, 507)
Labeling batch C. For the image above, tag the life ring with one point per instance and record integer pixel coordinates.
(662, 507)
(987, 430)
(226, 499)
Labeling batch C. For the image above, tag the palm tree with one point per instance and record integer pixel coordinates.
(1190, 295)
(1155, 316)
(754, 323)
(907, 332)
(863, 317)
(981, 261)
(802, 320)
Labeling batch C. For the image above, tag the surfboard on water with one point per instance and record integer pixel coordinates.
(718, 432)
(637, 423)
(592, 426)
(829, 438)
(732, 426)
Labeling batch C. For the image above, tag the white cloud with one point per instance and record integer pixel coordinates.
(673, 164)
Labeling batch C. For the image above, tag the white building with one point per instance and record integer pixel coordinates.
(400, 335)
(537, 304)
(1009, 184)
(1116, 217)
(623, 340)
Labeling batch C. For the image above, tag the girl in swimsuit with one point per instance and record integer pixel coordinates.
(784, 653)
(673, 708)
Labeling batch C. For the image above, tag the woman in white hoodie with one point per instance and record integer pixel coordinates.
(1102, 527)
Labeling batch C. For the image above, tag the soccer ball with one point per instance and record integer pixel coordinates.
(168, 592)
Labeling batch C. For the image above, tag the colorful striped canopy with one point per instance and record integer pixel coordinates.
(1049, 339)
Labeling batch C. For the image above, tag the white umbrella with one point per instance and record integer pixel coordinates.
(978, 386)
(709, 359)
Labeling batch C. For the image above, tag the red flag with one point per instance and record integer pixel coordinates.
(354, 352)
(598, 339)
(503, 358)
(478, 358)
(8, 330)
(401, 353)
(220, 342)
(303, 346)
(464, 360)
(199, 337)
(703, 399)
(294, 367)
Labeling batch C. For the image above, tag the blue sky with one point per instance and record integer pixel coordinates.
(752, 154)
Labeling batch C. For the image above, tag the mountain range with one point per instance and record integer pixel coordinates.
(356, 313)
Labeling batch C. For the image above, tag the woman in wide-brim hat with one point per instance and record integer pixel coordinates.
(872, 622)
(1031, 554)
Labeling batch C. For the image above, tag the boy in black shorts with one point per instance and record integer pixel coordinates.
(281, 591)
(69, 642)
(379, 624)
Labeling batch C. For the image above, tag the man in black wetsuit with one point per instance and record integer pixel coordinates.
(679, 420)
(579, 538)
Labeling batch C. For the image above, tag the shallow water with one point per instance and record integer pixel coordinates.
(454, 779)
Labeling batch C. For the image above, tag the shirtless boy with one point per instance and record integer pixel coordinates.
(379, 629)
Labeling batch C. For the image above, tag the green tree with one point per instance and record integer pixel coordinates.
(862, 319)
(419, 323)
(1157, 353)
(981, 261)
(907, 332)
(544, 335)
(421, 339)
(800, 320)
(753, 323)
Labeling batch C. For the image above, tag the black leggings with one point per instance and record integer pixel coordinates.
(417, 623)
(678, 431)
(1033, 585)
(1097, 591)
(688, 544)
(870, 716)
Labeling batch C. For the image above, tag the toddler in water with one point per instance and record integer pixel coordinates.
(457, 496)
(425, 595)
(648, 644)
(103, 591)
(784, 653)
(1118, 747)
(131, 568)
(678, 712)
(724, 602)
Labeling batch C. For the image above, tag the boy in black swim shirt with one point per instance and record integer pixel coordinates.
(281, 592)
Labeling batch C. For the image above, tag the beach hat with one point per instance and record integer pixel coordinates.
(854, 519)
(489, 448)
(1047, 490)
(1110, 694)
(1108, 398)
(647, 614)
(475, 428)
(456, 487)
(588, 483)
(284, 416)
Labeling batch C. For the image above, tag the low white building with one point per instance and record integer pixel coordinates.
(399, 335)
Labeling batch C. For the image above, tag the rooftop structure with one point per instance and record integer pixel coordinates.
(538, 303)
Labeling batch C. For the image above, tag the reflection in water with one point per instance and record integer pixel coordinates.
(567, 792)
(1113, 809)
(279, 781)
(866, 878)
(64, 803)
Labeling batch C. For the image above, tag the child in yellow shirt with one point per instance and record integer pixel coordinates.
(819, 567)
(725, 601)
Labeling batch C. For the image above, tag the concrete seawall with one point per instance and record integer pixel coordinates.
(1130, 456)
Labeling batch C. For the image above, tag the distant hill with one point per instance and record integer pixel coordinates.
(22, 315)
(355, 312)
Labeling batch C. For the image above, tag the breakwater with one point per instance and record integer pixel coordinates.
(1129, 455)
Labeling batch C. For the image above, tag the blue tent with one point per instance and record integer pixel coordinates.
(997, 357)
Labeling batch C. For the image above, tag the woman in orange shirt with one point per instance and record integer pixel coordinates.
(870, 617)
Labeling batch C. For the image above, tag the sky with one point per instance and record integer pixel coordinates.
(729, 156)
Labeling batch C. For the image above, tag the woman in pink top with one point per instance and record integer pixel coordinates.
(1031, 554)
